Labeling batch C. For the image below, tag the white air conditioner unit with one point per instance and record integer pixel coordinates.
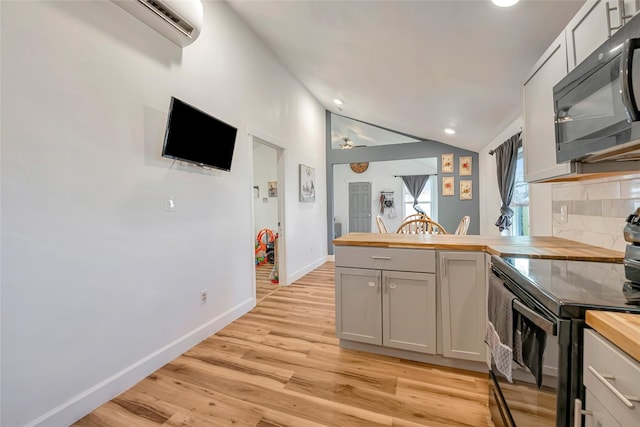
(178, 20)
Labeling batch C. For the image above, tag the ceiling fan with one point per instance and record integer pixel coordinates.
(347, 145)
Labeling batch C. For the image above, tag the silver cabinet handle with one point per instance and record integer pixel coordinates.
(386, 258)
(371, 284)
(603, 378)
(577, 419)
(392, 285)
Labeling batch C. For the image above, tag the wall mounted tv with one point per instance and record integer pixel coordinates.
(196, 137)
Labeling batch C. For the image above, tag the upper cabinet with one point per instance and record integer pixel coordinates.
(587, 30)
(539, 139)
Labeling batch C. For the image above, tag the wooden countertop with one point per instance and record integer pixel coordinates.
(622, 329)
(517, 246)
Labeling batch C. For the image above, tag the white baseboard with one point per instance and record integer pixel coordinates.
(307, 269)
(77, 407)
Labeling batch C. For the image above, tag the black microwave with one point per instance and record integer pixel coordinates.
(596, 105)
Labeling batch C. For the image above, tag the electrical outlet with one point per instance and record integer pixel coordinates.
(203, 295)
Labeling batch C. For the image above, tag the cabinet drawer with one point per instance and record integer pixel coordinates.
(418, 260)
(607, 368)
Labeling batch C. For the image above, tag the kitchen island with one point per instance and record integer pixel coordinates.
(423, 297)
(504, 246)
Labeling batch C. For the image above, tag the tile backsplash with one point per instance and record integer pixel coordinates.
(594, 212)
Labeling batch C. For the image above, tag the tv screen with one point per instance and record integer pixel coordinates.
(194, 136)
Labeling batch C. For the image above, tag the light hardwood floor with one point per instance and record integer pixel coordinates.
(280, 365)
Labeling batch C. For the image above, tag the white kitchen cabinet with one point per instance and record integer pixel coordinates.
(387, 297)
(409, 311)
(587, 30)
(358, 305)
(464, 304)
(612, 380)
(539, 139)
(597, 414)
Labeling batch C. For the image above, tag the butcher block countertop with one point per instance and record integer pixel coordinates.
(622, 329)
(515, 246)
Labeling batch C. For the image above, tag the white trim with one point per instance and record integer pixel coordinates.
(78, 406)
(256, 135)
(306, 270)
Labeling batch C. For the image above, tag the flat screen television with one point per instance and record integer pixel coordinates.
(197, 137)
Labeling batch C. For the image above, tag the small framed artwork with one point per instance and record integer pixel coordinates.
(256, 192)
(448, 188)
(273, 188)
(466, 189)
(447, 163)
(307, 184)
(465, 166)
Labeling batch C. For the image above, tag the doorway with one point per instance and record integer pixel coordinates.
(268, 208)
(360, 207)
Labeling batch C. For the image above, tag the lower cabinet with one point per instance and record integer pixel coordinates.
(612, 381)
(464, 304)
(391, 308)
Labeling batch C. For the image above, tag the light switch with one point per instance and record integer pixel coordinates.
(169, 204)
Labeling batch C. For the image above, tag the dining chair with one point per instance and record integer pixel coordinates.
(415, 216)
(421, 226)
(382, 228)
(463, 226)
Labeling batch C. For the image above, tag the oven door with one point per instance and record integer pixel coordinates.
(521, 402)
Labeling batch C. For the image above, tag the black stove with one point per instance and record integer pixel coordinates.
(569, 288)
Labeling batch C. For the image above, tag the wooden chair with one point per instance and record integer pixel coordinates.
(415, 216)
(382, 228)
(463, 226)
(421, 226)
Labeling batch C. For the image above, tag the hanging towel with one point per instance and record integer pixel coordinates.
(499, 335)
(534, 340)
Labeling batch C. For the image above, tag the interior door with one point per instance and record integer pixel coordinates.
(360, 207)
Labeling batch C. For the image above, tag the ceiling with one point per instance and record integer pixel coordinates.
(413, 66)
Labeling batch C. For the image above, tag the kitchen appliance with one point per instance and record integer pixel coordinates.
(597, 117)
(554, 295)
(632, 256)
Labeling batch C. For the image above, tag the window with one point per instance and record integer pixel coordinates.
(520, 201)
(426, 200)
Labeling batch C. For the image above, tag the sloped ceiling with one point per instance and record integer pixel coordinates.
(413, 66)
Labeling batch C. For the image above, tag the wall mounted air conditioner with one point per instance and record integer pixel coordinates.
(178, 20)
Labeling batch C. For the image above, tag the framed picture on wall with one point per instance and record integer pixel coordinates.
(448, 188)
(466, 189)
(307, 184)
(273, 188)
(447, 163)
(465, 166)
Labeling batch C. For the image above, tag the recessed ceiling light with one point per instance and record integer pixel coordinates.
(337, 101)
(504, 3)
(449, 131)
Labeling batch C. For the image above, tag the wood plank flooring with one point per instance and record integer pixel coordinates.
(280, 365)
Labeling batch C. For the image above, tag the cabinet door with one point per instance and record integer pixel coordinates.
(409, 311)
(358, 305)
(539, 139)
(598, 416)
(586, 31)
(464, 305)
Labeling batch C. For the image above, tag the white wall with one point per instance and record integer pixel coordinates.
(101, 286)
(265, 170)
(381, 176)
